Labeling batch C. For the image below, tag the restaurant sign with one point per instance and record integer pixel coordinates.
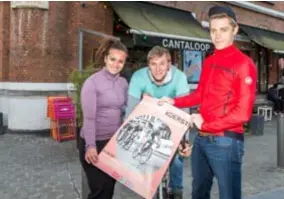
(150, 41)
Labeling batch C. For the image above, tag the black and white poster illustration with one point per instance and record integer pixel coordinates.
(144, 144)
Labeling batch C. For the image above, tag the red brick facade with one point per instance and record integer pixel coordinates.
(4, 40)
(94, 16)
(38, 45)
(244, 16)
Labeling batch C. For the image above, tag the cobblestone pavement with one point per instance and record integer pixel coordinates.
(34, 166)
(37, 167)
(277, 193)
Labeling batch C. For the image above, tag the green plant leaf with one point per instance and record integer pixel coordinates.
(78, 78)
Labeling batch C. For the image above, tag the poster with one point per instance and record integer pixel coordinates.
(192, 63)
(140, 152)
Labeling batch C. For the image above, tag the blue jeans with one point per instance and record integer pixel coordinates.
(176, 173)
(220, 157)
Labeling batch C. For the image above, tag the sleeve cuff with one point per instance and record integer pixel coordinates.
(87, 146)
(203, 127)
(176, 101)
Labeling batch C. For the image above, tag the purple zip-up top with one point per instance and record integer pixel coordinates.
(103, 97)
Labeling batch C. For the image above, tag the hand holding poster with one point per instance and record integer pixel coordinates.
(140, 152)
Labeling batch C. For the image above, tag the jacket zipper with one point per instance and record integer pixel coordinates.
(227, 101)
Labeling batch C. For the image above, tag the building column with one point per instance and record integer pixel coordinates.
(4, 40)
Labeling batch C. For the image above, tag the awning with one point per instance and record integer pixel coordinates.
(265, 38)
(165, 26)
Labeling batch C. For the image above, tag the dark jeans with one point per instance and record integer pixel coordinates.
(101, 184)
(176, 174)
(220, 157)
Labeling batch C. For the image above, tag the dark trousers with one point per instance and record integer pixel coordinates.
(220, 157)
(278, 105)
(101, 184)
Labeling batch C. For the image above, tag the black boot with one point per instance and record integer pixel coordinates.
(175, 195)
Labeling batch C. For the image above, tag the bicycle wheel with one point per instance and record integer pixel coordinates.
(129, 142)
(135, 152)
(145, 155)
(120, 135)
(161, 192)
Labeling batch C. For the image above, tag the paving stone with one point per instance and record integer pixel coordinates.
(35, 166)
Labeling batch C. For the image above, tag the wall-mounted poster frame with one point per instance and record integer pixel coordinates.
(192, 65)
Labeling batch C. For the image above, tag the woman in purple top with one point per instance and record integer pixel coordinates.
(103, 98)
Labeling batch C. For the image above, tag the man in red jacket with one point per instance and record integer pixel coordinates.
(226, 94)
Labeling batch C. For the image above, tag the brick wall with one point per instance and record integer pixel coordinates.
(244, 16)
(94, 16)
(38, 44)
(4, 40)
(278, 5)
(44, 43)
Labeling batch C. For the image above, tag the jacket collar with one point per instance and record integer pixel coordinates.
(226, 51)
(109, 75)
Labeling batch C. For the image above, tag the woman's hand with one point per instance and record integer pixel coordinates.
(91, 156)
(167, 100)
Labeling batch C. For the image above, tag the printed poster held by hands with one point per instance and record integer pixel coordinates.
(140, 152)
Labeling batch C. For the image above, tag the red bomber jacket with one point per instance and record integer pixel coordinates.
(226, 91)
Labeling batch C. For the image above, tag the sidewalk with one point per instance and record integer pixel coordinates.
(274, 194)
(34, 166)
(260, 172)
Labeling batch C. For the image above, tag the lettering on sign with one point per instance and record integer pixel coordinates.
(190, 45)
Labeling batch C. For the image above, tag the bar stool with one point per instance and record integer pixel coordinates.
(266, 111)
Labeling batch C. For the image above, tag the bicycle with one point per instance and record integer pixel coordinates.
(143, 150)
(123, 133)
(164, 189)
(130, 139)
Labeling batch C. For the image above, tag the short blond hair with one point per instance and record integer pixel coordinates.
(224, 15)
(158, 51)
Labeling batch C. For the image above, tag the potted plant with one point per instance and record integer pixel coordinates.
(78, 78)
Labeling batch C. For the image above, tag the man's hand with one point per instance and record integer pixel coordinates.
(91, 156)
(164, 100)
(197, 120)
(185, 151)
(146, 95)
